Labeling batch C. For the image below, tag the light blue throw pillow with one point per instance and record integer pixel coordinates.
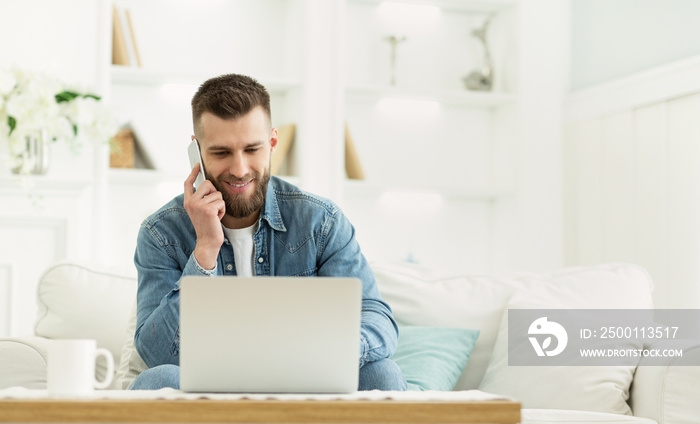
(433, 358)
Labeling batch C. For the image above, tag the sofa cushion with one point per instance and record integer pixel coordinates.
(27, 356)
(423, 296)
(433, 358)
(586, 388)
(86, 301)
(131, 364)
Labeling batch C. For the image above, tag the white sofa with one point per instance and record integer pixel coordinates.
(85, 300)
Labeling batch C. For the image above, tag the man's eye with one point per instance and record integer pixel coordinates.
(252, 149)
(220, 153)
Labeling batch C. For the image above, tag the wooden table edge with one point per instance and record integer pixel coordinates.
(256, 411)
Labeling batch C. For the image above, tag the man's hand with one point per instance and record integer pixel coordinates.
(206, 208)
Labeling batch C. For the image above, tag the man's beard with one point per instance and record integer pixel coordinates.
(237, 205)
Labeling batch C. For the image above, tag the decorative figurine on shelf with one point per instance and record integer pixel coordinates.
(394, 42)
(481, 80)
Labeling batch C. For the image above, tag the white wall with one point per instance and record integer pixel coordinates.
(633, 194)
(611, 39)
(529, 226)
(35, 36)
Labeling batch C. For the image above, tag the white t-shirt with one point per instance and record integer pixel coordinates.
(242, 242)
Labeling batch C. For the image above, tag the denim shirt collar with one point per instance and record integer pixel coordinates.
(271, 211)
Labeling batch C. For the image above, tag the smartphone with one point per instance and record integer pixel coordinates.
(196, 157)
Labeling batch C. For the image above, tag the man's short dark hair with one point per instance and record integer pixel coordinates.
(229, 97)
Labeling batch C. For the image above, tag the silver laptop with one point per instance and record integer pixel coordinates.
(270, 334)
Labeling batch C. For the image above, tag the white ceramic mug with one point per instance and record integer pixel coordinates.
(71, 367)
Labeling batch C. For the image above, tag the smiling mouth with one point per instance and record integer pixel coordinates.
(239, 186)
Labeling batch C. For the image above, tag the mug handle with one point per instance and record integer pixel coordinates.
(110, 368)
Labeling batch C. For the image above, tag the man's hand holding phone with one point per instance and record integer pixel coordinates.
(206, 208)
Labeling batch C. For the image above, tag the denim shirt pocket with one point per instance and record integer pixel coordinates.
(299, 258)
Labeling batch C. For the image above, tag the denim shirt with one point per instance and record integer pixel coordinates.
(299, 234)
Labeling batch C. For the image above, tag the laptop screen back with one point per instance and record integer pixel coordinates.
(269, 334)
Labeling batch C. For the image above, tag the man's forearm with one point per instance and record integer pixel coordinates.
(157, 335)
(157, 339)
(378, 334)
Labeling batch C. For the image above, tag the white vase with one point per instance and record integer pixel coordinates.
(35, 157)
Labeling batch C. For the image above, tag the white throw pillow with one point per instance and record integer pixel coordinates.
(85, 300)
(586, 388)
(131, 364)
(423, 296)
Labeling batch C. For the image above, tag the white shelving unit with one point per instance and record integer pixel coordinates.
(438, 158)
(289, 92)
(469, 119)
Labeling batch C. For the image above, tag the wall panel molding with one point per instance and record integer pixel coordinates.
(640, 89)
(633, 193)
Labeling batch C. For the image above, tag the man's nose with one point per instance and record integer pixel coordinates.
(239, 166)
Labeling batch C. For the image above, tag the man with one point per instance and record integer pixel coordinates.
(241, 221)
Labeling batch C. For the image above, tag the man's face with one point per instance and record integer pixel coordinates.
(236, 155)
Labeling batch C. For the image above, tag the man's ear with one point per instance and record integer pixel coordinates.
(273, 141)
(192, 138)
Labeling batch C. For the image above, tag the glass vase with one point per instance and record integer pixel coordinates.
(35, 157)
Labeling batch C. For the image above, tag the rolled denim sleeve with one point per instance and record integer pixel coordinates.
(340, 255)
(160, 265)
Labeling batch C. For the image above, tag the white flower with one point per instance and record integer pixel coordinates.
(61, 129)
(36, 103)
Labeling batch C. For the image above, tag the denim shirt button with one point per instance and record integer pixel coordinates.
(229, 267)
(261, 260)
